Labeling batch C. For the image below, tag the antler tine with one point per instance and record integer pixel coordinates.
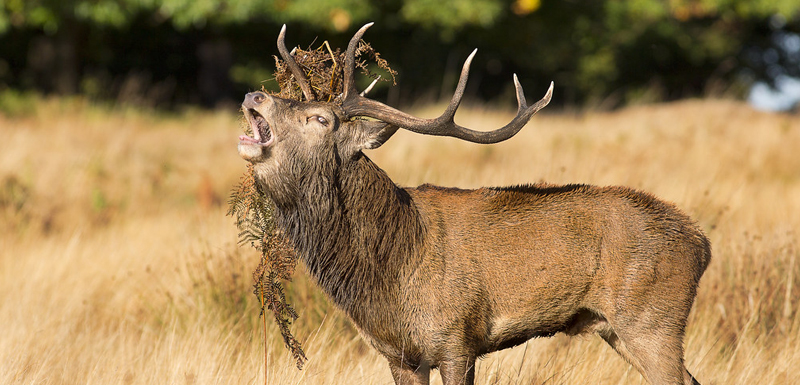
(369, 88)
(462, 85)
(357, 105)
(299, 76)
(349, 86)
(520, 95)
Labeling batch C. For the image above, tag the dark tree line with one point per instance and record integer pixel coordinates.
(167, 53)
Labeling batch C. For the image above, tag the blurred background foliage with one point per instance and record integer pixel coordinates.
(600, 53)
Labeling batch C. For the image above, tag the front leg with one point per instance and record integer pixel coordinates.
(459, 371)
(407, 375)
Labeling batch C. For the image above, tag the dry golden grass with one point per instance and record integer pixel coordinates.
(118, 265)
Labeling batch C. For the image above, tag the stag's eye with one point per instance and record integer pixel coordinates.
(319, 119)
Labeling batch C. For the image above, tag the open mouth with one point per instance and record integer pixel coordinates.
(260, 128)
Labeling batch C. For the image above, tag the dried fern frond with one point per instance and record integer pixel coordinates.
(253, 211)
(276, 265)
(324, 69)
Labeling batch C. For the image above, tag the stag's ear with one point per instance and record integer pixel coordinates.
(373, 134)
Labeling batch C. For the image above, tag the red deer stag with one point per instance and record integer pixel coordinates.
(436, 277)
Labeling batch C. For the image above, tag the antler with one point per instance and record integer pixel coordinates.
(299, 76)
(355, 104)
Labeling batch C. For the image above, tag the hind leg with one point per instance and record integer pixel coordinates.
(406, 375)
(659, 358)
(458, 371)
(613, 340)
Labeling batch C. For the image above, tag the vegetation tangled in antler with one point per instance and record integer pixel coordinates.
(324, 69)
(253, 209)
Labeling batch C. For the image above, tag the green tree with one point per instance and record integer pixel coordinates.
(609, 51)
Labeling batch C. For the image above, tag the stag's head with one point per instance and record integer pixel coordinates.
(293, 139)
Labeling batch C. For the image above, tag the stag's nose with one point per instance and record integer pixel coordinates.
(253, 99)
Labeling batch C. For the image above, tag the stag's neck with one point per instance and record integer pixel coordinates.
(357, 233)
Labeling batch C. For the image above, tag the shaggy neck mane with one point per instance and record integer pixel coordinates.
(345, 224)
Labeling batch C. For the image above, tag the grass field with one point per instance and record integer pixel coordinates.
(119, 266)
